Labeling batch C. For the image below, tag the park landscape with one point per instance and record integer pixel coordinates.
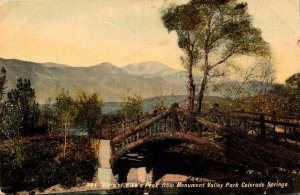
(225, 115)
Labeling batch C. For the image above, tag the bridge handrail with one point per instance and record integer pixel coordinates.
(267, 115)
(111, 131)
(283, 123)
(141, 126)
(254, 119)
(261, 127)
(164, 122)
(129, 121)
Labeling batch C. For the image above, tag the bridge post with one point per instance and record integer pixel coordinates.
(227, 121)
(262, 127)
(104, 172)
(174, 118)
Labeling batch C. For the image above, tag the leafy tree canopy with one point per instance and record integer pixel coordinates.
(66, 110)
(220, 30)
(2, 83)
(219, 27)
(294, 80)
(89, 110)
(23, 97)
(65, 107)
(132, 107)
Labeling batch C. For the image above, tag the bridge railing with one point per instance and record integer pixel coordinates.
(111, 131)
(274, 117)
(157, 124)
(240, 123)
(174, 119)
(187, 121)
(261, 126)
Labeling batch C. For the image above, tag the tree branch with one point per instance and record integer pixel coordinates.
(224, 59)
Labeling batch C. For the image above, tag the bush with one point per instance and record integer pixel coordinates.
(132, 107)
(40, 165)
(271, 104)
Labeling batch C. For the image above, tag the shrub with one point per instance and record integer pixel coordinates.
(39, 164)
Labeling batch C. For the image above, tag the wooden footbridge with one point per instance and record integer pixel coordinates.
(212, 145)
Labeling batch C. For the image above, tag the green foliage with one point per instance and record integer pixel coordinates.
(11, 121)
(219, 29)
(2, 83)
(89, 110)
(19, 113)
(65, 112)
(184, 20)
(65, 108)
(109, 119)
(79, 164)
(49, 120)
(38, 164)
(293, 83)
(2, 93)
(22, 100)
(132, 107)
(281, 100)
(269, 104)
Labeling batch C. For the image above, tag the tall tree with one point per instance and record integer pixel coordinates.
(49, 120)
(184, 20)
(89, 110)
(293, 83)
(10, 113)
(2, 83)
(2, 93)
(65, 108)
(23, 96)
(224, 30)
(132, 107)
(11, 120)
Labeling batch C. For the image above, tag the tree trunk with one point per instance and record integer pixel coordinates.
(201, 92)
(204, 80)
(191, 89)
(65, 141)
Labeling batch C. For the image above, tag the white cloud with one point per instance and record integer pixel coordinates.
(112, 24)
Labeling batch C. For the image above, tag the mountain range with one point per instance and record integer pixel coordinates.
(113, 83)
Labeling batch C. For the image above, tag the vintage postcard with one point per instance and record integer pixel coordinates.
(149, 96)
